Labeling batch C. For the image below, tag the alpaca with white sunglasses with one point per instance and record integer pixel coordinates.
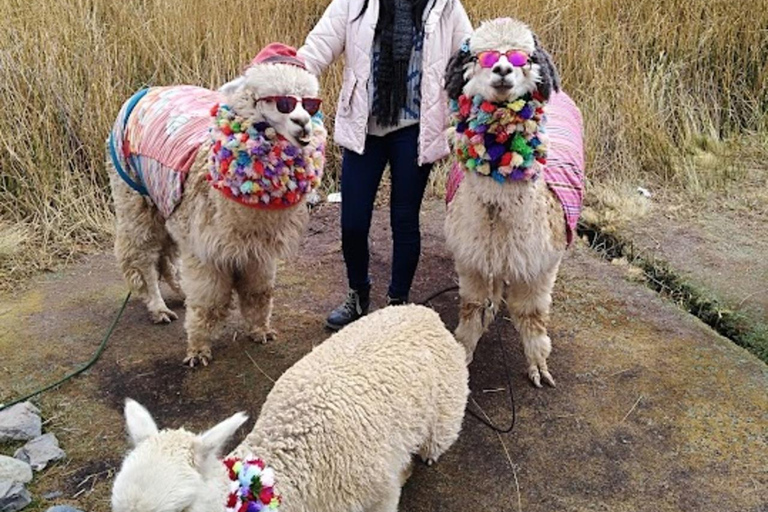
(515, 190)
(217, 179)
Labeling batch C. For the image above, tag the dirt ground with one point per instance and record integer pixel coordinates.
(653, 411)
(719, 252)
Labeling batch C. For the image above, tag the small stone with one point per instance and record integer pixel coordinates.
(13, 497)
(14, 470)
(39, 452)
(20, 423)
(52, 495)
(63, 508)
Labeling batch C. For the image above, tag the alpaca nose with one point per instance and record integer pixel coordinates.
(301, 121)
(502, 70)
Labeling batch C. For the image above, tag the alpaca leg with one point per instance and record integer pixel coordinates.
(140, 231)
(169, 265)
(388, 500)
(209, 294)
(479, 299)
(529, 307)
(255, 287)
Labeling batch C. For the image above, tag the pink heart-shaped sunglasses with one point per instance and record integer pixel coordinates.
(489, 58)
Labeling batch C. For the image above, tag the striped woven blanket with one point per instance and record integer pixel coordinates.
(564, 171)
(156, 137)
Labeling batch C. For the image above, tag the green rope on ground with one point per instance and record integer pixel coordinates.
(81, 370)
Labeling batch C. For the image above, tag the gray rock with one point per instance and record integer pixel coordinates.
(63, 508)
(52, 495)
(13, 497)
(14, 470)
(39, 452)
(20, 423)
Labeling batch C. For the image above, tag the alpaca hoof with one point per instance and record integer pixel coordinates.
(163, 316)
(198, 358)
(536, 375)
(263, 336)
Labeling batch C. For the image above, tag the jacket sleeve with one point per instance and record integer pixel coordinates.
(325, 42)
(462, 27)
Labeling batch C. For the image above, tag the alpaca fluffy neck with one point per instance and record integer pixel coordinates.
(508, 196)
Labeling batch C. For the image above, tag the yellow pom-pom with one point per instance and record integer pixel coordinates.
(517, 160)
(518, 105)
(484, 169)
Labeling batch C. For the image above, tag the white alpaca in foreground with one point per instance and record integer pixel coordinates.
(339, 428)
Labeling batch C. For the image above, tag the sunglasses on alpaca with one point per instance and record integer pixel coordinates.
(489, 58)
(287, 104)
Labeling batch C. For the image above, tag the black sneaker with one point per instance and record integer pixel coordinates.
(353, 308)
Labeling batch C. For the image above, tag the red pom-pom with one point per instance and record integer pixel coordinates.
(226, 130)
(541, 160)
(469, 134)
(266, 495)
(472, 152)
(506, 159)
(244, 137)
(537, 95)
(465, 105)
(225, 164)
(243, 507)
(216, 149)
(487, 106)
(258, 167)
(291, 197)
(215, 110)
(502, 137)
(232, 500)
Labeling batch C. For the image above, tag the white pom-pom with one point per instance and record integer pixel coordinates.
(268, 477)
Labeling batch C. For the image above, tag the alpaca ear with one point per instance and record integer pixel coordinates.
(550, 78)
(456, 71)
(211, 443)
(138, 422)
(232, 86)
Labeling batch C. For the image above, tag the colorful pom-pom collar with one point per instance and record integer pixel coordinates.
(502, 141)
(255, 166)
(252, 486)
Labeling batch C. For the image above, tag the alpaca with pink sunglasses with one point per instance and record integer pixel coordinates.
(217, 180)
(515, 189)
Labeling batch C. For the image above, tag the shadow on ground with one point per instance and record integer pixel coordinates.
(653, 411)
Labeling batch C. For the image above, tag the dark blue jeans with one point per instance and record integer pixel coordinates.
(360, 178)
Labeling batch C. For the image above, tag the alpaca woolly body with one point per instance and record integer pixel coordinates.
(339, 428)
(496, 229)
(224, 247)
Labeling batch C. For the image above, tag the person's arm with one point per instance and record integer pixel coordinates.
(462, 27)
(325, 42)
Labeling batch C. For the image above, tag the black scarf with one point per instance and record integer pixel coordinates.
(399, 21)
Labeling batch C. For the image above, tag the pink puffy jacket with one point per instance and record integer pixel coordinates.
(338, 31)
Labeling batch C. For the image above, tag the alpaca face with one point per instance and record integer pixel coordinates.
(171, 470)
(246, 95)
(504, 80)
(519, 65)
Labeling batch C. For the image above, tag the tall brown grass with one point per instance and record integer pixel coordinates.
(654, 79)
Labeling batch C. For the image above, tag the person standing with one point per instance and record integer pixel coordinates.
(392, 109)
